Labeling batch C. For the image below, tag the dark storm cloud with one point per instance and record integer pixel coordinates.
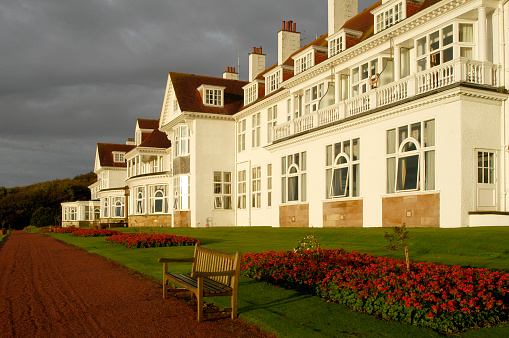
(74, 73)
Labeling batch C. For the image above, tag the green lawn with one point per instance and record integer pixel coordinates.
(291, 314)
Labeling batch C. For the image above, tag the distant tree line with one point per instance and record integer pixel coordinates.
(39, 204)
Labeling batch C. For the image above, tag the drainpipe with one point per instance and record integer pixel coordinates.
(503, 16)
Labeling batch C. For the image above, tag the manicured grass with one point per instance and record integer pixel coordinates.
(291, 314)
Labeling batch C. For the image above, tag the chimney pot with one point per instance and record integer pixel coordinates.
(254, 49)
(284, 23)
(294, 26)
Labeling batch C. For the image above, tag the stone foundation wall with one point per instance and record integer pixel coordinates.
(413, 210)
(182, 219)
(79, 224)
(346, 213)
(150, 221)
(294, 215)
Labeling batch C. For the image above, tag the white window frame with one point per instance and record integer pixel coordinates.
(416, 142)
(118, 157)
(271, 122)
(269, 184)
(255, 129)
(256, 187)
(250, 93)
(241, 135)
(139, 200)
(363, 75)
(312, 97)
(158, 197)
(293, 174)
(222, 187)
(117, 207)
(390, 16)
(272, 81)
(241, 189)
(182, 192)
(181, 137)
(340, 157)
(304, 62)
(105, 206)
(336, 45)
(104, 180)
(446, 48)
(213, 96)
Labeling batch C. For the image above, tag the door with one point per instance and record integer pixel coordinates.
(486, 192)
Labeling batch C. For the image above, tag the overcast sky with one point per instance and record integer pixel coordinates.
(74, 73)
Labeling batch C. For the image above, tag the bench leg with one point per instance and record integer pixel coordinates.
(199, 296)
(234, 305)
(165, 289)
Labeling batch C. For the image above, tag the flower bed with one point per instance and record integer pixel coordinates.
(95, 232)
(151, 240)
(445, 299)
(64, 230)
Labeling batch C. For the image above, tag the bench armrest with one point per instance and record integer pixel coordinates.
(174, 260)
(211, 274)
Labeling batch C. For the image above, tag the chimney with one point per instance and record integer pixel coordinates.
(256, 63)
(230, 74)
(288, 41)
(130, 142)
(340, 11)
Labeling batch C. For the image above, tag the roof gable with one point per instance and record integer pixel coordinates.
(186, 91)
(105, 154)
(156, 139)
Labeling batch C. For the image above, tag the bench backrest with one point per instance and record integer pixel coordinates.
(208, 260)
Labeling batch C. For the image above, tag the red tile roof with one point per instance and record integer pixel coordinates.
(105, 151)
(156, 139)
(148, 124)
(189, 99)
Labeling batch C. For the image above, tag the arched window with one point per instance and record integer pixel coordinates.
(408, 165)
(119, 207)
(140, 200)
(342, 169)
(293, 181)
(158, 201)
(340, 173)
(411, 157)
(97, 213)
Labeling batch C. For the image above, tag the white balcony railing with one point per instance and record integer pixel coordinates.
(458, 70)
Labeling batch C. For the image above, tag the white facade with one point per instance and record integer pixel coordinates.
(396, 115)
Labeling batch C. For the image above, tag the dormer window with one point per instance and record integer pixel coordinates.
(272, 81)
(303, 63)
(389, 14)
(118, 157)
(212, 95)
(250, 93)
(336, 45)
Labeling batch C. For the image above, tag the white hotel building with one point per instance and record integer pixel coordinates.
(396, 115)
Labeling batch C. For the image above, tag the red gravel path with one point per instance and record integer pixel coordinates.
(49, 288)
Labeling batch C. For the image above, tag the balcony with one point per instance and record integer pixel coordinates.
(455, 71)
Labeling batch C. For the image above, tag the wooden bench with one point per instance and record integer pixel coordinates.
(213, 273)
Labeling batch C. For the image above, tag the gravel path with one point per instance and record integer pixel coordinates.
(49, 288)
